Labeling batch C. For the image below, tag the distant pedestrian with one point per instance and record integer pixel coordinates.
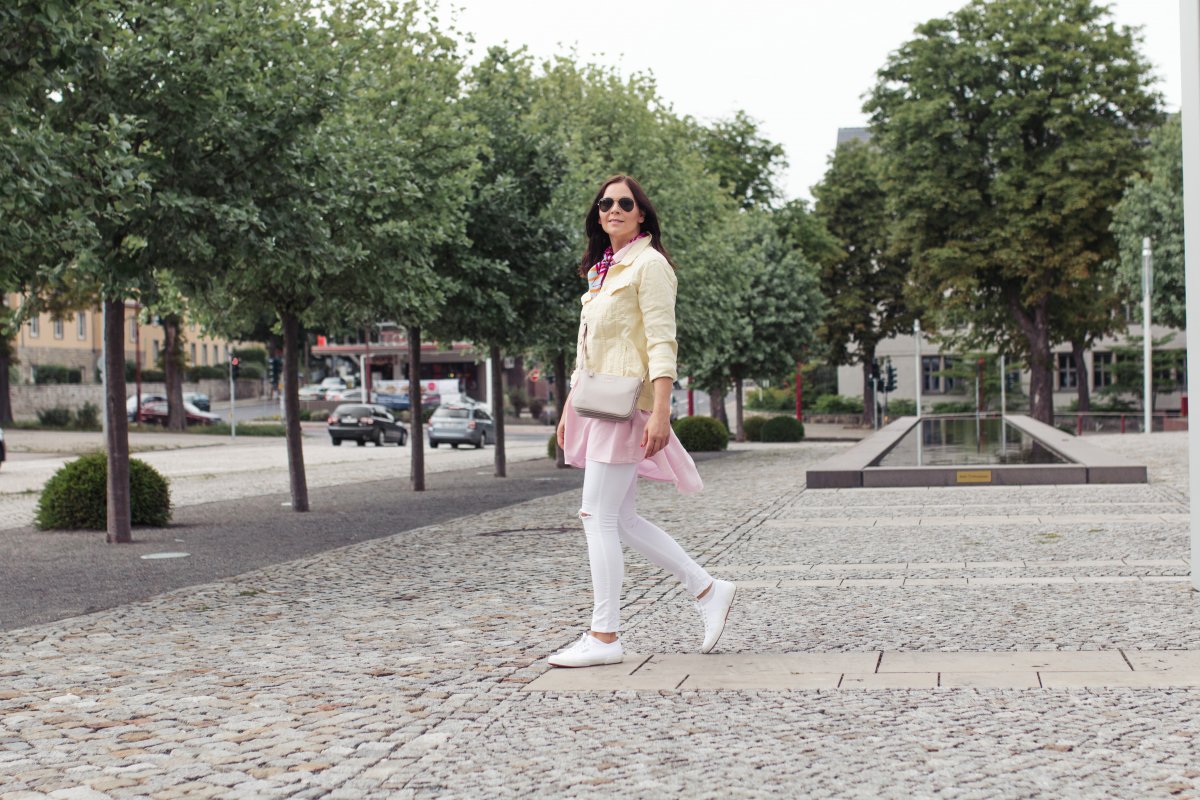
(627, 328)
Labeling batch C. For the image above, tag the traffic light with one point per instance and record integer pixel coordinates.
(875, 372)
(276, 368)
(889, 384)
(234, 363)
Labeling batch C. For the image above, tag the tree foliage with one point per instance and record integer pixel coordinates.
(1010, 128)
(1153, 206)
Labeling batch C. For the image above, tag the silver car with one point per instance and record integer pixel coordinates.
(459, 423)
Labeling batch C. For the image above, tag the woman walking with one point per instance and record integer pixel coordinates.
(627, 328)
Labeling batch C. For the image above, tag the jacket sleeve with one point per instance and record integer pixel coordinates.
(656, 296)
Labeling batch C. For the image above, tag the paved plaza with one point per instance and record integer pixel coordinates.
(989, 642)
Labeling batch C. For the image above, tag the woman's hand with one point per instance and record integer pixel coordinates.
(562, 432)
(658, 432)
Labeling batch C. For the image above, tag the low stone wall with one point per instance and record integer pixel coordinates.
(28, 400)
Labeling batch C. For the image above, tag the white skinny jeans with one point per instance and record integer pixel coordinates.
(609, 517)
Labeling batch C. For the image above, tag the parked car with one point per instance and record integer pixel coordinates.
(350, 396)
(198, 399)
(131, 403)
(365, 423)
(313, 391)
(333, 383)
(461, 423)
(156, 413)
(400, 402)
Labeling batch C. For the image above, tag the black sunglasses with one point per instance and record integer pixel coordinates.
(606, 204)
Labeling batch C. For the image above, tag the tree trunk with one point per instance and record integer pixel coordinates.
(5, 391)
(416, 409)
(173, 372)
(1035, 326)
(716, 399)
(740, 434)
(291, 411)
(498, 410)
(117, 429)
(1081, 378)
(868, 387)
(561, 387)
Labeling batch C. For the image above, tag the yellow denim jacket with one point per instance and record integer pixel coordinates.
(630, 322)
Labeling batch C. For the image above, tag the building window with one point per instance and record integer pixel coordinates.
(81, 325)
(133, 332)
(58, 329)
(204, 353)
(192, 360)
(949, 383)
(35, 327)
(931, 381)
(1102, 370)
(1067, 378)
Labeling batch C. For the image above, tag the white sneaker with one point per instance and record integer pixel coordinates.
(589, 652)
(714, 609)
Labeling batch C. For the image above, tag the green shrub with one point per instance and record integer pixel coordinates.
(536, 406)
(253, 355)
(771, 399)
(953, 407)
(783, 429)
(552, 445)
(57, 417)
(902, 407)
(836, 404)
(88, 418)
(252, 371)
(244, 429)
(753, 427)
(195, 374)
(518, 400)
(76, 497)
(46, 374)
(702, 434)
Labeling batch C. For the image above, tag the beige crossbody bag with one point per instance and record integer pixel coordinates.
(612, 397)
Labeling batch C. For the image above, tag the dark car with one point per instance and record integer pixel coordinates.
(156, 412)
(198, 399)
(456, 424)
(365, 423)
(400, 402)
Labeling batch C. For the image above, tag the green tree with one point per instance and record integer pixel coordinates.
(1153, 206)
(744, 160)
(1010, 127)
(866, 285)
(1128, 367)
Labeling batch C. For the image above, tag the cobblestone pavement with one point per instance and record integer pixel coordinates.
(401, 667)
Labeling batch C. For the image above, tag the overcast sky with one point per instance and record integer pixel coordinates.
(800, 67)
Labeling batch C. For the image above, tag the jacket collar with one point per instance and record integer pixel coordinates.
(631, 253)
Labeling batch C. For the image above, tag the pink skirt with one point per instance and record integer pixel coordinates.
(620, 443)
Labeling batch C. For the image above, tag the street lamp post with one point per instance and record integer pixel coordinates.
(920, 376)
(1147, 366)
(1189, 32)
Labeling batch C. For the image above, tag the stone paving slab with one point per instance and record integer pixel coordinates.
(397, 668)
(875, 670)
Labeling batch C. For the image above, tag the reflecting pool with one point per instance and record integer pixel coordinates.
(950, 441)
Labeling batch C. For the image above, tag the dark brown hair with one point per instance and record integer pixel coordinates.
(597, 239)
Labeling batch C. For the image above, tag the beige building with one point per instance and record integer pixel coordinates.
(76, 341)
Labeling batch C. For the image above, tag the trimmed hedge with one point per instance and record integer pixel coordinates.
(76, 497)
(552, 445)
(702, 434)
(46, 374)
(837, 404)
(902, 407)
(783, 429)
(753, 427)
